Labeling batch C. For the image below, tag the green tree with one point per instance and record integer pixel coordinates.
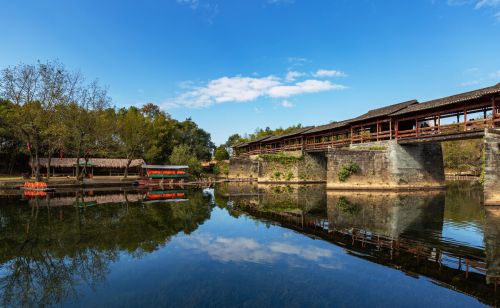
(221, 153)
(182, 155)
(133, 132)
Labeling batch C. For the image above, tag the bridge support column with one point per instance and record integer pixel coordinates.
(386, 165)
(492, 167)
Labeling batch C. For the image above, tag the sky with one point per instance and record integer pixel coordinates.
(237, 65)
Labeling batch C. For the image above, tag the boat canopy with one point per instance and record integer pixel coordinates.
(166, 167)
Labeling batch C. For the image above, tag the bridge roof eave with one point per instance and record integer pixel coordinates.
(437, 104)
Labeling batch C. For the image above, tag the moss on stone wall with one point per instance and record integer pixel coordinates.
(281, 158)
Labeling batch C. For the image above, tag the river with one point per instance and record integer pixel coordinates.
(241, 244)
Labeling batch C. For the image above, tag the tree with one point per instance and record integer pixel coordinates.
(232, 141)
(221, 153)
(89, 134)
(133, 132)
(182, 155)
(197, 139)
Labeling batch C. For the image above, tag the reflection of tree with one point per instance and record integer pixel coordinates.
(49, 252)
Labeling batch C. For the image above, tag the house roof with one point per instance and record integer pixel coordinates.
(295, 132)
(462, 97)
(95, 162)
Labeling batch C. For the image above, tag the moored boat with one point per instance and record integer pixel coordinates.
(154, 175)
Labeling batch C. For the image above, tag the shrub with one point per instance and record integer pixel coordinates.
(289, 176)
(377, 148)
(277, 174)
(280, 158)
(347, 207)
(347, 170)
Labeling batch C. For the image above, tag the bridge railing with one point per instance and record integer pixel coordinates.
(471, 125)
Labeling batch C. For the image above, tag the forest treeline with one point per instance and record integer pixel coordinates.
(49, 111)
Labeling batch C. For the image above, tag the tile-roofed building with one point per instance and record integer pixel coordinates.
(441, 102)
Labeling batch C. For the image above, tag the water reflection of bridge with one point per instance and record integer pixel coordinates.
(399, 230)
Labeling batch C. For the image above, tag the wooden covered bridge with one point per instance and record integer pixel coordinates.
(460, 116)
(393, 147)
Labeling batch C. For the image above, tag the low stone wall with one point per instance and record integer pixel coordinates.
(287, 167)
(492, 167)
(299, 168)
(243, 168)
(387, 166)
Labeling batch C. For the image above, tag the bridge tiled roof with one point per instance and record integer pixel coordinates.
(296, 132)
(240, 145)
(327, 127)
(384, 111)
(462, 97)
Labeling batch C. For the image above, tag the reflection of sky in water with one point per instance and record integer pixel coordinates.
(243, 262)
(468, 234)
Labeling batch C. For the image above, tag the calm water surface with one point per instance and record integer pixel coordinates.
(249, 245)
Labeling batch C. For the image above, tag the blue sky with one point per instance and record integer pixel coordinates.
(236, 65)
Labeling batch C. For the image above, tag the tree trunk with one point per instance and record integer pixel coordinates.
(49, 160)
(37, 170)
(129, 161)
(78, 153)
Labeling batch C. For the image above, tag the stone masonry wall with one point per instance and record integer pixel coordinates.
(388, 166)
(308, 167)
(492, 167)
(243, 167)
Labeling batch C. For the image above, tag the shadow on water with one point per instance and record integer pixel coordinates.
(414, 232)
(54, 243)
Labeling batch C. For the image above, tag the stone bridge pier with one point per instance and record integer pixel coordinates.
(387, 165)
(492, 167)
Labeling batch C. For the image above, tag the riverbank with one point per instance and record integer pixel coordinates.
(97, 181)
(101, 181)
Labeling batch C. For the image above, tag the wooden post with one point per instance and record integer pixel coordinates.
(465, 119)
(378, 125)
(390, 128)
(439, 123)
(494, 112)
(397, 129)
(416, 126)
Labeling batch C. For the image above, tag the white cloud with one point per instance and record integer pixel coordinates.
(481, 78)
(495, 75)
(287, 104)
(244, 89)
(329, 73)
(292, 75)
(207, 10)
(307, 86)
(297, 61)
(191, 3)
(470, 83)
(309, 253)
(497, 16)
(243, 249)
(277, 2)
(486, 3)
